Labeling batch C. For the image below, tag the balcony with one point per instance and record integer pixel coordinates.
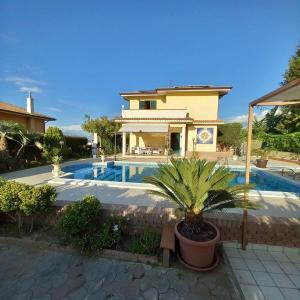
(154, 113)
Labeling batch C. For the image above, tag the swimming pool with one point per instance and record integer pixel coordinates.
(134, 173)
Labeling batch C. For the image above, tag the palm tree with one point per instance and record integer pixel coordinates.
(8, 130)
(196, 186)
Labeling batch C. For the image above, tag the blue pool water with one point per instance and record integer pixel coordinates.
(263, 181)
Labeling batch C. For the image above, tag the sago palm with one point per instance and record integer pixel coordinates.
(196, 186)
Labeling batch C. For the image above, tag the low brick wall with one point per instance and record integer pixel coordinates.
(261, 230)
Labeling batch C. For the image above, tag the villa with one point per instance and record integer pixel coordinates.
(181, 118)
(31, 120)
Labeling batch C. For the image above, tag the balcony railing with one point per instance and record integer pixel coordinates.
(154, 113)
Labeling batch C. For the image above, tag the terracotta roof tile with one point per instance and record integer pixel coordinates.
(7, 107)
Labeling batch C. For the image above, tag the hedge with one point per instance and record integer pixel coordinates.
(282, 142)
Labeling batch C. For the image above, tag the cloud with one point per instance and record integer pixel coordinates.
(244, 118)
(27, 89)
(73, 129)
(26, 84)
(54, 109)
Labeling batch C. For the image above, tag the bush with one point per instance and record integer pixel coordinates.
(18, 198)
(37, 200)
(2, 181)
(53, 137)
(80, 225)
(80, 217)
(112, 232)
(10, 196)
(282, 142)
(147, 243)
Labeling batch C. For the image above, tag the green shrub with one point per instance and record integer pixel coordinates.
(282, 142)
(113, 231)
(80, 225)
(146, 243)
(2, 181)
(18, 199)
(53, 137)
(80, 217)
(10, 196)
(37, 200)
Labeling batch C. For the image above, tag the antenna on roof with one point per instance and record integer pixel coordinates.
(170, 83)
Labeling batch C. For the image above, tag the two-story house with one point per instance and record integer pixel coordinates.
(181, 118)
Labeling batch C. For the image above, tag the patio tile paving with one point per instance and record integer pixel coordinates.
(244, 277)
(282, 280)
(33, 273)
(255, 265)
(290, 294)
(252, 292)
(272, 267)
(263, 278)
(279, 279)
(296, 280)
(272, 293)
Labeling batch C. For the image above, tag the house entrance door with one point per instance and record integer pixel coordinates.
(175, 142)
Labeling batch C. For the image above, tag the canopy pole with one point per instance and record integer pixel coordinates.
(247, 176)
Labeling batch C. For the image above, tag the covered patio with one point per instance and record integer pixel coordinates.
(153, 139)
(288, 94)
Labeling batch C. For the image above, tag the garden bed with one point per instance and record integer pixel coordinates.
(48, 237)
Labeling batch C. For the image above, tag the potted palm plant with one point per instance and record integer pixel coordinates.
(263, 154)
(197, 186)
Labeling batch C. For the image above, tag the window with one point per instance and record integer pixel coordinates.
(147, 104)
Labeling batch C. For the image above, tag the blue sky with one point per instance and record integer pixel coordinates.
(76, 56)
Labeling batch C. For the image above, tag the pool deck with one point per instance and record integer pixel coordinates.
(283, 206)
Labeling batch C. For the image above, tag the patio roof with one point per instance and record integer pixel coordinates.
(157, 128)
(288, 94)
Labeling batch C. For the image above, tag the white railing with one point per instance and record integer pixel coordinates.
(154, 113)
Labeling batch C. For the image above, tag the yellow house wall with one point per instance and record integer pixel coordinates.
(200, 105)
(201, 147)
(146, 139)
(32, 125)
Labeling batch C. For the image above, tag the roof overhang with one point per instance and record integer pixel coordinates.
(221, 90)
(288, 94)
(27, 115)
(150, 128)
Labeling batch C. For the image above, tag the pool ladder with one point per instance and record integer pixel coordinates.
(283, 169)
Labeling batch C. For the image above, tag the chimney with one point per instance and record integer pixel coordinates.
(30, 105)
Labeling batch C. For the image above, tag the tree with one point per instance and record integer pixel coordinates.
(230, 135)
(293, 70)
(290, 121)
(103, 126)
(53, 143)
(8, 130)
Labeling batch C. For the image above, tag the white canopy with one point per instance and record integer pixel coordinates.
(161, 128)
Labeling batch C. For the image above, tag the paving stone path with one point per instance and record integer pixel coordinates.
(31, 273)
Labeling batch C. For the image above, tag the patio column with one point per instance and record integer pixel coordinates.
(124, 143)
(183, 139)
(247, 177)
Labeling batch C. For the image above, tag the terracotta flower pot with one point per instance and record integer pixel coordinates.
(197, 254)
(261, 163)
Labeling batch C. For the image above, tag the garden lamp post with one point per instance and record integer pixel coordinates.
(115, 148)
(61, 144)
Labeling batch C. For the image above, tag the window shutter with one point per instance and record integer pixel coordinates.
(153, 104)
(141, 105)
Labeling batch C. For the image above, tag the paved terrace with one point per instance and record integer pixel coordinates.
(33, 273)
(271, 206)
